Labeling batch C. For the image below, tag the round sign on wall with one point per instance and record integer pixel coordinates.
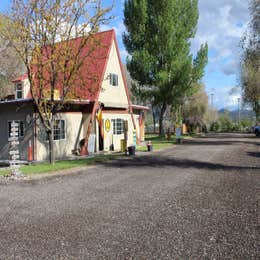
(107, 125)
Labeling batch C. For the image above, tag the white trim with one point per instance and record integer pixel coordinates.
(16, 100)
(139, 107)
(57, 140)
(114, 122)
(65, 129)
(21, 91)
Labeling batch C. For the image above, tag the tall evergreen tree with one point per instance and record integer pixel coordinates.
(250, 64)
(158, 42)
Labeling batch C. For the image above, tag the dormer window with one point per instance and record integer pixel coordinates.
(19, 90)
(113, 79)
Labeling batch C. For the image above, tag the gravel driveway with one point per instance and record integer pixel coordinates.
(199, 200)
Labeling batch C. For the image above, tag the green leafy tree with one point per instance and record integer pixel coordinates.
(225, 122)
(158, 41)
(246, 124)
(195, 108)
(215, 126)
(250, 69)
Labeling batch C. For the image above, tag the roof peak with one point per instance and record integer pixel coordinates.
(25, 75)
(93, 34)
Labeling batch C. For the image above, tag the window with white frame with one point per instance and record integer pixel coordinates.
(20, 128)
(19, 90)
(59, 129)
(113, 79)
(118, 126)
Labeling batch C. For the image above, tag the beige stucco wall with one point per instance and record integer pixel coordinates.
(18, 112)
(26, 88)
(116, 97)
(75, 124)
(109, 137)
(76, 127)
(138, 132)
(113, 96)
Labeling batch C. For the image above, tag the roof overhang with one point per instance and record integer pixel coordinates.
(114, 105)
(16, 101)
(20, 78)
(27, 100)
(139, 107)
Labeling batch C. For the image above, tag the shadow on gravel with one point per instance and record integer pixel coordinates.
(230, 135)
(200, 141)
(254, 154)
(152, 161)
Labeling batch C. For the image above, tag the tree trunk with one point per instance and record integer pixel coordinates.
(154, 125)
(162, 111)
(51, 145)
(161, 130)
(257, 112)
(154, 118)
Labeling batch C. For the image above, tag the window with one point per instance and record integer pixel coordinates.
(19, 90)
(113, 79)
(20, 128)
(118, 126)
(59, 129)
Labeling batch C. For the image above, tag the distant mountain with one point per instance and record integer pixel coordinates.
(244, 114)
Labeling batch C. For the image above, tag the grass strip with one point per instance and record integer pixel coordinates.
(61, 165)
(158, 142)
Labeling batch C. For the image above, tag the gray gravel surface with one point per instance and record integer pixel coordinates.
(199, 200)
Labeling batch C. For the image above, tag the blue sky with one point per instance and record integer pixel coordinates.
(221, 24)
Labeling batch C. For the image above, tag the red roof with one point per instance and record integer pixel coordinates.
(87, 82)
(21, 78)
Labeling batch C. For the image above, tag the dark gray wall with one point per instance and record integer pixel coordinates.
(16, 111)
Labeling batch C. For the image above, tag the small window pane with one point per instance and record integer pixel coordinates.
(118, 126)
(19, 91)
(20, 128)
(59, 129)
(113, 79)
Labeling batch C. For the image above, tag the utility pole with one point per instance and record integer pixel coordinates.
(212, 117)
(212, 98)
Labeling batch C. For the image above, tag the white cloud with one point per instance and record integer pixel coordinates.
(221, 24)
(231, 67)
(222, 98)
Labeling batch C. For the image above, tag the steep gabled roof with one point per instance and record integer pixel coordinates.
(20, 78)
(95, 66)
(91, 73)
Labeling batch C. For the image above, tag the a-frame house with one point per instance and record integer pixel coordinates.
(102, 119)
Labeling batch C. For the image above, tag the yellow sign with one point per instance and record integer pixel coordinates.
(47, 93)
(107, 125)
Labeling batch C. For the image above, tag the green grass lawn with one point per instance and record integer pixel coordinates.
(61, 165)
(157, 142)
